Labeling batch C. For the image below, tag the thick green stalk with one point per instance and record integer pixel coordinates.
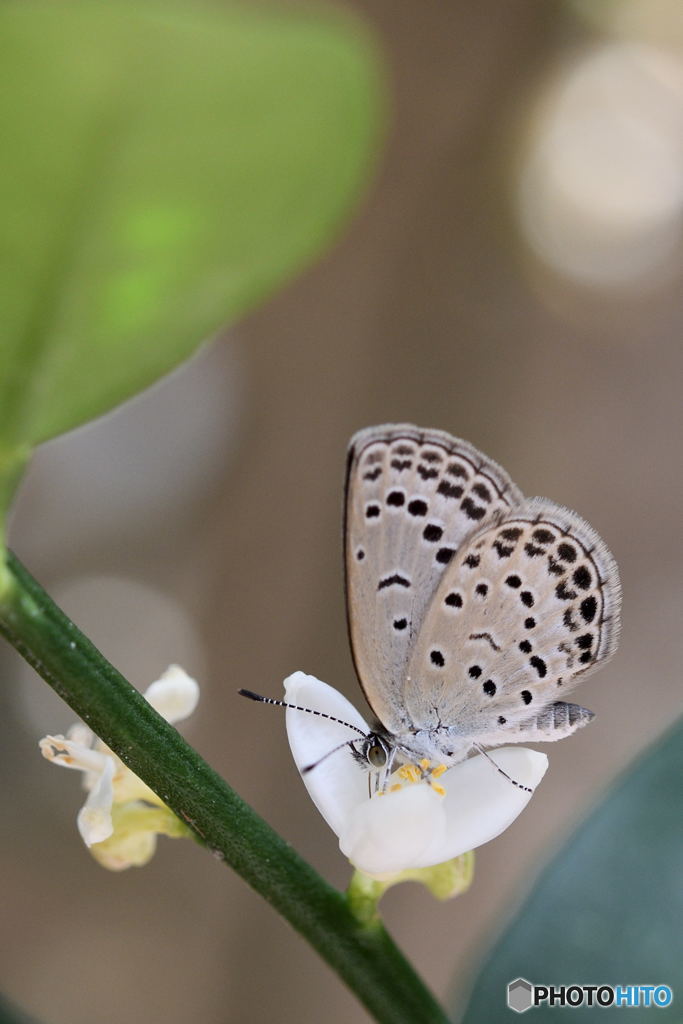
(362, 953)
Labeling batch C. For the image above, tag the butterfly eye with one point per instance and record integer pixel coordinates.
(376, 755)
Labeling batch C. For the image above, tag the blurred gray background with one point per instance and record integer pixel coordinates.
(513, 276)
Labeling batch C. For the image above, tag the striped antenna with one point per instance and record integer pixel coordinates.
(514, 782)
(295, 707)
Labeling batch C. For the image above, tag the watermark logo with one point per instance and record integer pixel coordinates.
(520, 995)
(523, 994)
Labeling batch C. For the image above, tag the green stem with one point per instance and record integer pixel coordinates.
(361, 952)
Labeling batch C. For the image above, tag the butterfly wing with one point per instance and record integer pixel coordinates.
(553, 722)
(527, 608)
(413, 498)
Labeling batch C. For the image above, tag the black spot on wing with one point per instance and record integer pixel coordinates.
(567, 552)
(471, 510)
(582, 577)
(503, 550)
(543, 536)
(539, 665)
(432, 532)
(485, 636)
(449, 490)
(395, 580)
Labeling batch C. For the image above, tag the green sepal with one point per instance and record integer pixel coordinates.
(444, 881)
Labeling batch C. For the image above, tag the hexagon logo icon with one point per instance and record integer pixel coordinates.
(520, 996)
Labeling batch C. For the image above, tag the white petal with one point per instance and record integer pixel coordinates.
(175, 695)
(480, 803)
(94, 818)
(337, 785)
(72, 755)
(81, 734)
(417, 828)
(396, 831)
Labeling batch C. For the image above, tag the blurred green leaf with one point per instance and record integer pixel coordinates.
(165, 166)
(608, 909)
(11, 1014)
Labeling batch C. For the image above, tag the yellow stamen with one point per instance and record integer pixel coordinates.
(412, 773)
(409, 772)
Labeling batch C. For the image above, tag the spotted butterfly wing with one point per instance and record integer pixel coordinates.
(413, 499)
(527, 607)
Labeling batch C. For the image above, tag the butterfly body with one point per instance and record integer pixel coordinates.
(472, 610)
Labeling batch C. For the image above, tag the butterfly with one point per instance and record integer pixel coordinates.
(471, 609)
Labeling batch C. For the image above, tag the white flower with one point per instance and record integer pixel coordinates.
(121, 816)
(415, 823)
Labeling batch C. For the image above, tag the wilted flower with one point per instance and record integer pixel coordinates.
(121, 817)
(424, 815)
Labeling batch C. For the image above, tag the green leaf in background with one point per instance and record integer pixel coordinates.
(11, 1014)
(165, 166)
(609, 908)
